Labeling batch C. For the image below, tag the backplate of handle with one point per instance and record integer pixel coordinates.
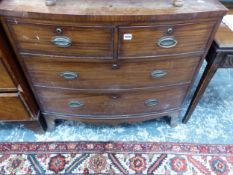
(158, 73)
(75, 104)
(68, 75)
(61, 41)
(167, 42)
(151, 102)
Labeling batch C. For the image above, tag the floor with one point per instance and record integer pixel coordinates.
(212, 122)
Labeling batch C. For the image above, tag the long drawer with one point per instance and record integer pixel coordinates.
(5, 80)
(68, 73)
(139, 41)
(12, 108)
(77, 103)
(94, 41)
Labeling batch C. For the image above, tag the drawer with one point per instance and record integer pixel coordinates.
(163, 40)
(67, 73)
(5, 80)
(63, 40)
(12, 108)
(115, 103)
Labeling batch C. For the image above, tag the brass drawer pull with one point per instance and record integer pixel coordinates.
(170, 30)
(115, 66)
(158, 74)
(151, 102)
(167, 42)
(61, 41)
(59, 30)
(115, 97)
(67, 75)
(75, 104)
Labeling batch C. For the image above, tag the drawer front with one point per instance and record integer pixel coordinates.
(67, 73)
(64, 40)
(12, 108)
(5, 80)
(115, 103)
(163, 40)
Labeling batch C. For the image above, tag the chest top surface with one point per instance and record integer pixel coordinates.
(117, 9)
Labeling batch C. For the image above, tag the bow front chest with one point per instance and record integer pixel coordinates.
(110, 61)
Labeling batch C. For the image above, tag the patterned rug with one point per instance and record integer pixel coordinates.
(211, 123)
(115, 158)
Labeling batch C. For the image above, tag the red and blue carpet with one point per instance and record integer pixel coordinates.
(115, 158)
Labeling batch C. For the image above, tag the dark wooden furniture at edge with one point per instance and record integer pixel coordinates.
(220, 55)
(17, 103)
(110, 61)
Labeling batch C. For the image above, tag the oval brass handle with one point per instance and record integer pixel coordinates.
(75, 104)
(151, 102)
(167, 42)
(158, 74)
(61, 41)
(68, 75)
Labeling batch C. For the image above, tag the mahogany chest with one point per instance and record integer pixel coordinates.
(110, 61)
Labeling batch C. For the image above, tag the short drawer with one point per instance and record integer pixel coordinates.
(63, 40)
(67, 73)
(114, 103)
(5, 80)
(163, 40)
(12, 108)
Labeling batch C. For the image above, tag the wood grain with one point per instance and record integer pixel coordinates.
(85, 41)
(52, 117)
(17, 103)
(5, 80)
(190, 38)
(113, 103)
(112, 11)
(12, 108)
(10, 62)
(47, 70)
(97, 29)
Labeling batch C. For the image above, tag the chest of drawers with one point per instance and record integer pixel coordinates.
(110, 61)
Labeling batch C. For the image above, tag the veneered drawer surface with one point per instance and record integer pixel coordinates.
(144, 41)
(12, 108)
(63, 40)
(115, 103)
(5, 80)
(68, 73)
